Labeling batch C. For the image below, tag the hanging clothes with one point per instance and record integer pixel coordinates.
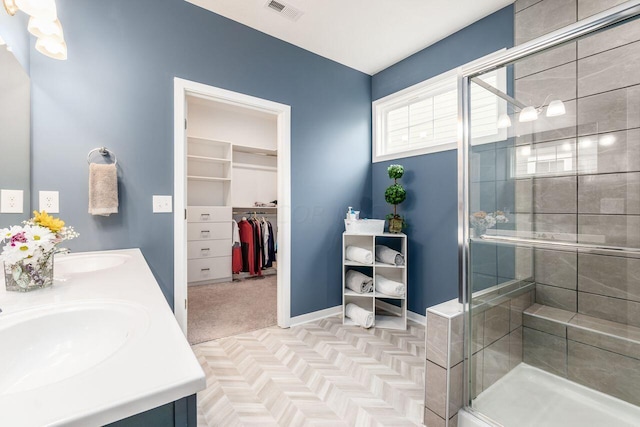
(247, 244)
(257, 245)
(271, 245)
(265, 243)
(236, 249)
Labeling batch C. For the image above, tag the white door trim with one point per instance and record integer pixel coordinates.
(182, 88)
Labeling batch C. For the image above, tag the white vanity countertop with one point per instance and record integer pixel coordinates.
(155, 366)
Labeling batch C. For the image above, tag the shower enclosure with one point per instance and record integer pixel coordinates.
(550, 227)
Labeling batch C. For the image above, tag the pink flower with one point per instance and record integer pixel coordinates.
(19, 238)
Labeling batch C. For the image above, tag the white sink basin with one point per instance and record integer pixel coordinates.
(86, 263)
(47, 345)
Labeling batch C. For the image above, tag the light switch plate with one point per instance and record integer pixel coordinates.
(162, 204)
(11, 201)
(49, 201)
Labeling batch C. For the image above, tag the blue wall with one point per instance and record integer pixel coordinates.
(116, 90)
(431, 180)
(13, 29)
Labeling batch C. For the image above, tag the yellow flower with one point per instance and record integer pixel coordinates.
(45, 220)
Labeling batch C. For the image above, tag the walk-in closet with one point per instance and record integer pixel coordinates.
(232, 211)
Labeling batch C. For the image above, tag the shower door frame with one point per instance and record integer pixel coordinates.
(600, 21)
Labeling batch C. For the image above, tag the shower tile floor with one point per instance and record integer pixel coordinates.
(528, 397)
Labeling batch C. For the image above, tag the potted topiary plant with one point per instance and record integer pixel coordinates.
(395, 195)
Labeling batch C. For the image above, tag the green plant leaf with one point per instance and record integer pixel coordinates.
(395, 171)
(395, 194)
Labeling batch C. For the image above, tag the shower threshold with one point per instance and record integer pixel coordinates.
(529, 396)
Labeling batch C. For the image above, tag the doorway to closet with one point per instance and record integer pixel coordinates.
(232, 210)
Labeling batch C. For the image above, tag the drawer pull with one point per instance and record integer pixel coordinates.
(205, 232)
(204, 216)
(205, 249)
(205, 269)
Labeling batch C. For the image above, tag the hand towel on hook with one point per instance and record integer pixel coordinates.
(103, 189)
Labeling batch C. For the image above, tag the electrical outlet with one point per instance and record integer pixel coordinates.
(162, 204)
(11, 201)
(49, 201)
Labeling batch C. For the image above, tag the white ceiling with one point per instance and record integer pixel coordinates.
(368, 35)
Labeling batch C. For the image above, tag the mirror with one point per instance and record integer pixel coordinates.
(15, 132)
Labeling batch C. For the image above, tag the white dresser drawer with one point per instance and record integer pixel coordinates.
(208, 213)
(209, 231)
(208, 269)
(208, 248)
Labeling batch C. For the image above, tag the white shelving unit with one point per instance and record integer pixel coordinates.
(390, 311)
(208, 172)
(208, 211)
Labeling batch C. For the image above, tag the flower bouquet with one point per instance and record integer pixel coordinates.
(29, 249)
(481, 221)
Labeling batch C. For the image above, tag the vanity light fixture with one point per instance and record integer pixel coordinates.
(51, 47)
(554, 109)
(528, 114)
(10, 6)
(43, 24)
(504, 121)
(44, 9)
(43, 28)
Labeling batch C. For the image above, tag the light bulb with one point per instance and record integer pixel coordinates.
(528, 114)
(44, 9)
(41, 28)
(556, 108)
(52, 48)
(504, 121)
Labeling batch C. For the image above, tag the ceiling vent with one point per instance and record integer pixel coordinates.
(284, 9)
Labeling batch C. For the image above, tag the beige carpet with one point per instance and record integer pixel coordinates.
(224, 309)
(316, 374)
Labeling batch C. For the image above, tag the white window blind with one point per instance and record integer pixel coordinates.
(425, 117)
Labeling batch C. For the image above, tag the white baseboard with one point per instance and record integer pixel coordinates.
(418, 318)
(316, 315)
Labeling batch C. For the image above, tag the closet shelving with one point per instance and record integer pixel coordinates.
(209, 166)
(211, 170)
(258, 209)
(209, 163)
(208, 159)
(390, 311)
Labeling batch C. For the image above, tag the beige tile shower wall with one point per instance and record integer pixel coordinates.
(497, 340)
(598, 78)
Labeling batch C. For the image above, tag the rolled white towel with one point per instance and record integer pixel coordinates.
(389, 287)
(388, 256)
(359, 282)
(359, 315)
(361, 255)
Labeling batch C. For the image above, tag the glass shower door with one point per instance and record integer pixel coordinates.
(553, 213)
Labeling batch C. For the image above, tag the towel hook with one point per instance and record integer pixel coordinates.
(104, 152)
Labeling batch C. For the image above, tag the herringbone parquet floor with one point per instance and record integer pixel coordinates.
(317, 374)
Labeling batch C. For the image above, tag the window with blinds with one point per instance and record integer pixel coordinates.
(424, 118)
